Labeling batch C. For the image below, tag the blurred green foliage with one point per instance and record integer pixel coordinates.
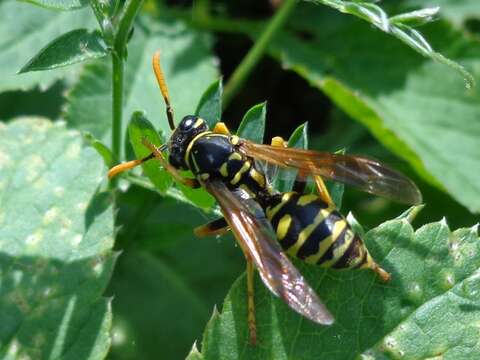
(359, 88)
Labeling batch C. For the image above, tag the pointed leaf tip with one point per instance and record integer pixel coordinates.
(72, 47)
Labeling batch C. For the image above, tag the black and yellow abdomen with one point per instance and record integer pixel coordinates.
(314, 232)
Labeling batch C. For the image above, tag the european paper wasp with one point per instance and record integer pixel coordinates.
(266, 223)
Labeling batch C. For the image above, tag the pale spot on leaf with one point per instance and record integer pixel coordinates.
(33, 164)
(59, 191)
(34, 239)
(73, 151)
(50, 215)
(76, 240)
(4, 159)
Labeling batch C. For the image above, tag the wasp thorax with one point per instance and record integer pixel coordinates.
(189, 127)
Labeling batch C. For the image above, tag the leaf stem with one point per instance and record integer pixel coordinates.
(243, 70)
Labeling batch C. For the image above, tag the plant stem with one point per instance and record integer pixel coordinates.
(125, 23)
(242, 72)
(117, 105)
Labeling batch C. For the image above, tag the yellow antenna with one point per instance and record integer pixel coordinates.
(157, 69)
(114, 171)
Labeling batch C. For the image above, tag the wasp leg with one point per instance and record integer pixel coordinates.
(252, 326)
(221, 128)
(215, 227)
(322, 190)
(193, 183)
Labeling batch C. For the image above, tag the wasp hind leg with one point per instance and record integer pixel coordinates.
(322, 190)
(252, 326)
(214, 228)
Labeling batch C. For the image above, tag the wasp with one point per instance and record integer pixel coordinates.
(268, 224)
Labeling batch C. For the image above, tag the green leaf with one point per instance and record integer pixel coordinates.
(455, 11)
(252, 126)
(286, 178)
(430, 307)
(416, 17)
(73, 47)
(210, 105)
(398, 26)
(397, 95)
(101, 148)
(198, 197)
(138, 129)
(299, 137)
(186, 62)
(157, 270)
(194, 354)
(336, 188)
(56, 234)
(24, 30)
(59, 4)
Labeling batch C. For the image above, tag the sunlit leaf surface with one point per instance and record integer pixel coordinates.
(56, 235)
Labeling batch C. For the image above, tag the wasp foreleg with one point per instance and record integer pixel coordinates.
(193, 183)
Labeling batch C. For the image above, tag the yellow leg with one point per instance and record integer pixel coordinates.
(252, 327)
(322, 190)
(221, 128)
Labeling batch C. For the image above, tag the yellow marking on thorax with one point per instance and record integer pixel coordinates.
(235, 156)
(238, 176)
(272, 211)
(224, 169)
(234, 139)
(199, 122)
(307, 231)
(326, 243)
(258, 177)
(283, 226)
(190, 144)
(306, 199)
(204, 176)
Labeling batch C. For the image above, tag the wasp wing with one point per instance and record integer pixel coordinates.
(366, 174)
(257, 240)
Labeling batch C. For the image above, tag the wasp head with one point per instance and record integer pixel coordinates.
(189, 127)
